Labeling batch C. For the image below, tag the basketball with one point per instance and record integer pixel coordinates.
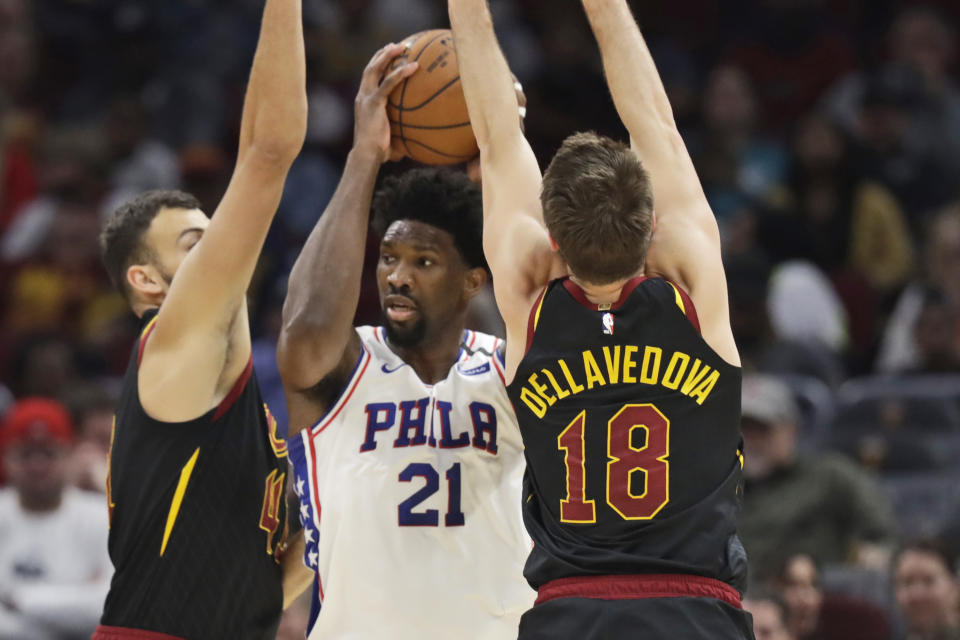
(427, 111)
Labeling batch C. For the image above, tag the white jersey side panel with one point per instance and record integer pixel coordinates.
(410, 496)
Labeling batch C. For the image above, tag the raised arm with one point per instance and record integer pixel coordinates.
(186, 359)
(515, 242)
(686, 241)
(317, 338)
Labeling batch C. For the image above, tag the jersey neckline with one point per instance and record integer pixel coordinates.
(580, 295)
(469, 338)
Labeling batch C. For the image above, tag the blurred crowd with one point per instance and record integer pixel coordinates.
(827, 137)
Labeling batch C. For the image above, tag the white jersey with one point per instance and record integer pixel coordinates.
(410, 499)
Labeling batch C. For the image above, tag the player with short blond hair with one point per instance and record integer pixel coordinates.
(624, 375)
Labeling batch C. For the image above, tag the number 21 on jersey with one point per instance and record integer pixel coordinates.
(623, 460)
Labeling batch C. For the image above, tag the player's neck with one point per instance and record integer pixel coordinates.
(432, 358)
(603, 293)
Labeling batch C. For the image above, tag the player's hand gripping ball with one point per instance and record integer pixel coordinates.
(427, 111)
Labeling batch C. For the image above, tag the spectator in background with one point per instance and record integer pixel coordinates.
(913, 97)
(43, 365)
(93, 408)
(937, 335)
(899, 351)
(73, 167)
(19, 130)
(925, 42)
(925, 584)
(773, 333)
(821, 322)
(813, 615)
(819, 504)
(890, 153)
(769, 615)
(138, 163)
(737, 166)
(793, 52)
(834, 217)
(54, 568)
(851, 228)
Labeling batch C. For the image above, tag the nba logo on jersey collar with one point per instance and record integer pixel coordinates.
(607, 322)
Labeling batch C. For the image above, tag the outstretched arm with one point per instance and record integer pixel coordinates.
(515, 242)
(317, 338)
(686, 241)
(187, 353)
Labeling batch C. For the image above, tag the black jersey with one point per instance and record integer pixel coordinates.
(631, 428)
(197, 512)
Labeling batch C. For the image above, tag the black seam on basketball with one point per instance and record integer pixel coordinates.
(440, 153)
(403, 92)
(430, 99)
(424, 126)
(430, 42)
(403, 138)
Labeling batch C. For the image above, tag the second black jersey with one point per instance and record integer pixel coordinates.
(197, 512)
(631, 428)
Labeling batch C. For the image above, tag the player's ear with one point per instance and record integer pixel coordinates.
(145, 279)
(553, 243)
(474, 281)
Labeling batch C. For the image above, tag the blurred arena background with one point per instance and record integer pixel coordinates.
(827, 137)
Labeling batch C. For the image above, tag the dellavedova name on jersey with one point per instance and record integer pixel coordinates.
(621, 365)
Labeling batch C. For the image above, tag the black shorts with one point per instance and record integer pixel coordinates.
(655, 615)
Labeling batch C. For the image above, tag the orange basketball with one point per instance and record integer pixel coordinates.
(427, 111)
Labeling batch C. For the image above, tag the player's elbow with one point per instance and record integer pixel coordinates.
(280, 141)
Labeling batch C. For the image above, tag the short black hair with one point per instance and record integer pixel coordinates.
(121, 242)
(934, 546)
(441, 198)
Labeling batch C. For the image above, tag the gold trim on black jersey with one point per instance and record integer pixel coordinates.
(178, 498)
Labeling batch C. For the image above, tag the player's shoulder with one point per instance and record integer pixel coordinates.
(476, 342)
(373, 338)
(482, 356)
(375, 350)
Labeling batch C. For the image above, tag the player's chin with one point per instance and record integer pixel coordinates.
(405, 333)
